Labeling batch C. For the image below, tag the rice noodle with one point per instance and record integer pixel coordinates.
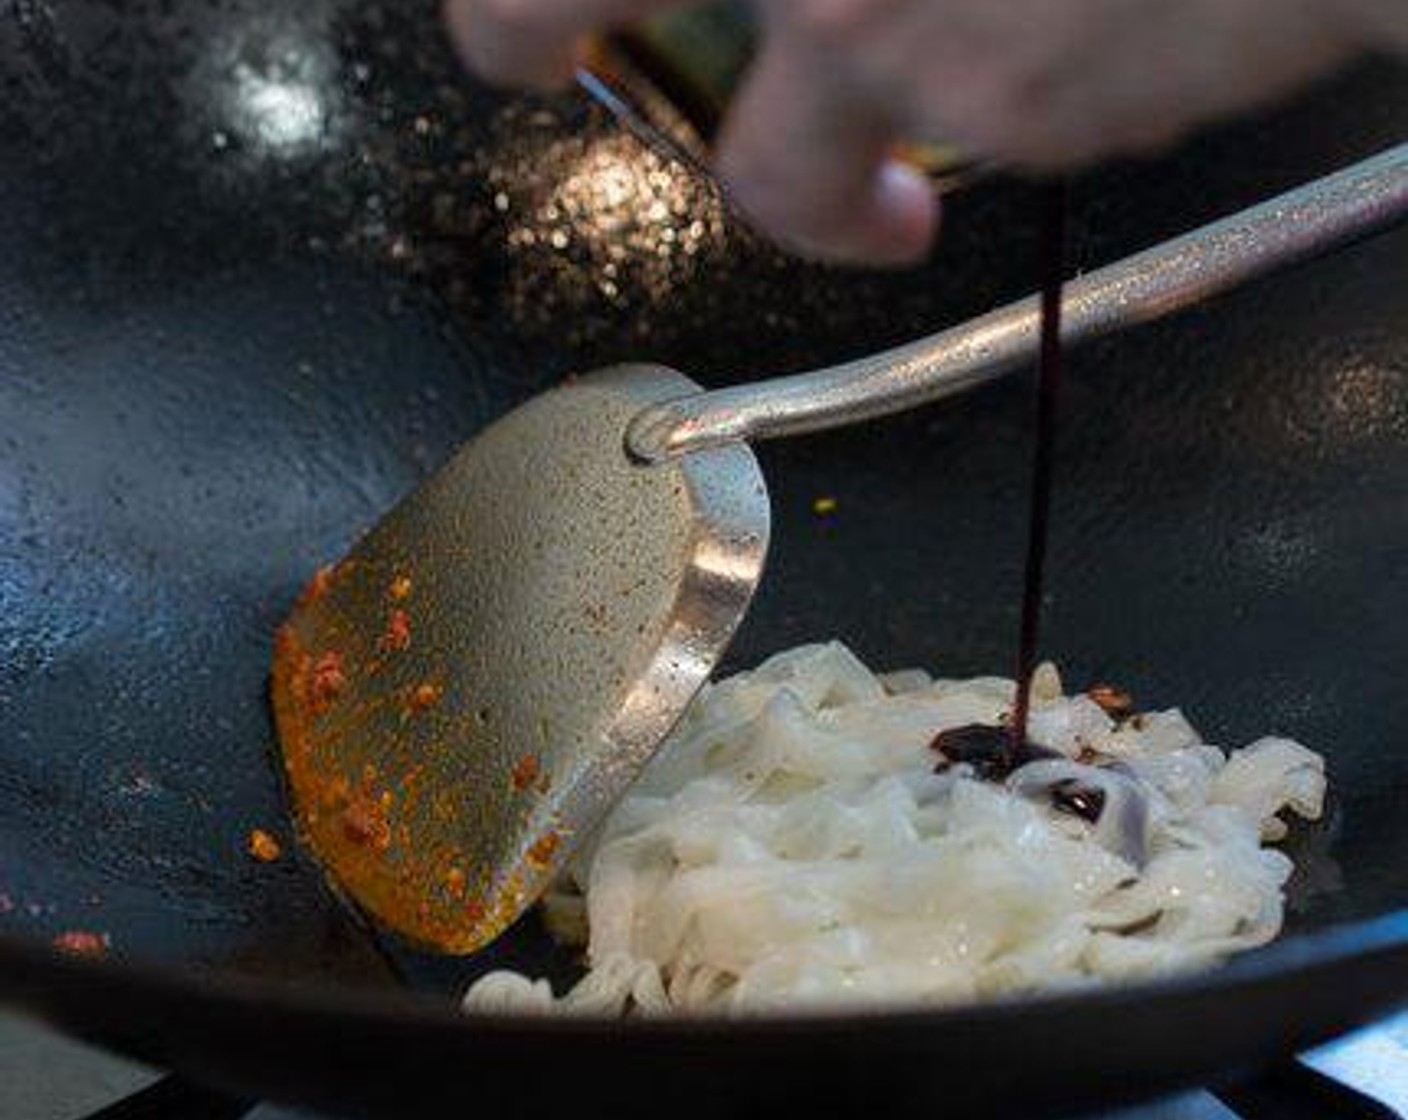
(792, 847)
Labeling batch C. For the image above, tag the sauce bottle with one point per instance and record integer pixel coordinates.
(671, 79)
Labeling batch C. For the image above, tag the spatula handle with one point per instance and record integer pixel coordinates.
(1326, 214)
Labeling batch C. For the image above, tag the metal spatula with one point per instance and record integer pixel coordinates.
(462, 698)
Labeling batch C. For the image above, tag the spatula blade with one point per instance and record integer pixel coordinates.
(461, 699)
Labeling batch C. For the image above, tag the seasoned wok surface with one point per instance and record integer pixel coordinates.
(260, 271)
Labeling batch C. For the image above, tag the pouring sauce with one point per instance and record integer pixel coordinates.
(1048, 386)
(994, 752)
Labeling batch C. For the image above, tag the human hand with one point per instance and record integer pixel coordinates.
(1037, 84)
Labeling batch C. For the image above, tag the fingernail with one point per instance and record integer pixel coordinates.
(905, 215)
(894, 228)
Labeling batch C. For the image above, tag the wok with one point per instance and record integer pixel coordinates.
(262, 267)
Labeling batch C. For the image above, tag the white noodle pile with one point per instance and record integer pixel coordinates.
(792, 847)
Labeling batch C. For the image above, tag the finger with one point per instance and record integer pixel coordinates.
(1181, 66)
(533, 42)
(808, 164)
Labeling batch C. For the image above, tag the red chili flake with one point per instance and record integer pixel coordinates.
(285, 641)
(328, 678)
(400, 588)
(474, 911)
(398, 632)
(541, 853)
(364, 823)
(263, 846)
(526, 772)
(1116, 702)
(336, 793)
(424, 696)
(82, 943)
(316, 587)
(301, 686)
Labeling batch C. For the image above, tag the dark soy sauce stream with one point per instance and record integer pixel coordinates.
(994, 752)
(1052, 268)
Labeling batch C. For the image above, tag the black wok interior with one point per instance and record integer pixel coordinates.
(262, 267)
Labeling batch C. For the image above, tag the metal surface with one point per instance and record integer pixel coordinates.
(389, 1055)
(509, 646)
(1301, 224)
(466, 694)
(263, 268)
(49, 1077)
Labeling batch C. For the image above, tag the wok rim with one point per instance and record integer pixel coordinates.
(1295, 957)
